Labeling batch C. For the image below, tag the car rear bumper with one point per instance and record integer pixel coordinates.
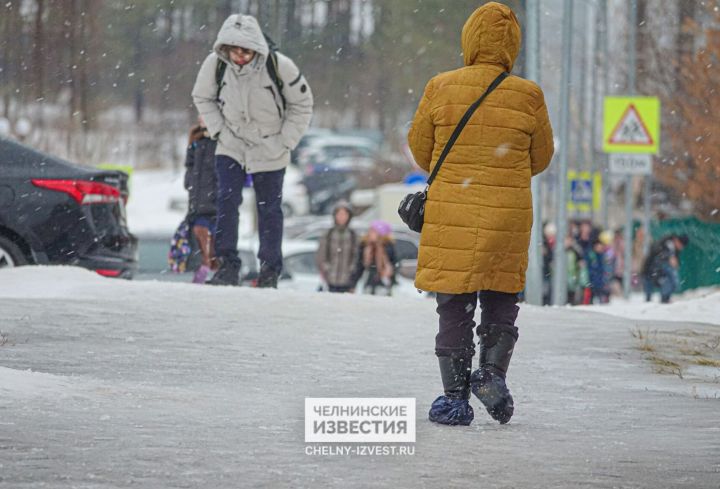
(119, 263)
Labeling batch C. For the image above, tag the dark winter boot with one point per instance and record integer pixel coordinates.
(228, 272)
(488, 382)
(453, 408)
(268, 277)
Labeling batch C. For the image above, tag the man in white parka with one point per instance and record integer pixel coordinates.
(258, 105)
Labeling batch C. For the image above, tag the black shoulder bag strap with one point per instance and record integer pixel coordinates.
(461, 125)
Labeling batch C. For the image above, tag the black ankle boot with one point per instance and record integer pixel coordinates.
(268, 277)
(228, 272)
(497, 342)
(453, 408)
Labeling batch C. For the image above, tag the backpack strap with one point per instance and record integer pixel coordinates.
(274, 70)
(219, 74)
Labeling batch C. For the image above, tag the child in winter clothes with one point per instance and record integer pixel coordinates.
(337, 255)
(599, 271)
(377, 258)
(201, 184)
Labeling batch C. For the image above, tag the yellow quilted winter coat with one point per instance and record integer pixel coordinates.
(479, 209)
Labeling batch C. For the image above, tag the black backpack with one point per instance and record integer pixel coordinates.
(271, 64)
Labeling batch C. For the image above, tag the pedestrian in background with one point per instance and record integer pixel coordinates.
(258, 105)
(338, 251)
(661, 268)
(377, 260)
(201, 184)
(599, 273)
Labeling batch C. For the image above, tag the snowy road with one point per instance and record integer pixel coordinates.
(156, 385)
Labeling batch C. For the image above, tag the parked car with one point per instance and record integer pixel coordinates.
(321, 149)
(324, 189)
(334, 167)
(299, 269)
(307, 138)
(53, 212)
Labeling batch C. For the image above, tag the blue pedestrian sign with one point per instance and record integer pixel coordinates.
(581, 191)
(585, 191)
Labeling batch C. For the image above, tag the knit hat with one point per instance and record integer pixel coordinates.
(383, 228)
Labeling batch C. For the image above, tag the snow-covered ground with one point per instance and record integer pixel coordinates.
(700, 306)
(107, 384)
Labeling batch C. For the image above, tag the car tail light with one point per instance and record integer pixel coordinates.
(83, 191)
(108, 273)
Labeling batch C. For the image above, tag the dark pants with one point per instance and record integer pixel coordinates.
(667, 280)
(457, 312)
(268, 196)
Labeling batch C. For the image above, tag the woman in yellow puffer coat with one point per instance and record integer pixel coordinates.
(478, 215)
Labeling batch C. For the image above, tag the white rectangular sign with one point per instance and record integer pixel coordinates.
(359, 420)
(630, 164)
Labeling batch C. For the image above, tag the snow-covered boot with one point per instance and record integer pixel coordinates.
(453, 408)
(488, 382)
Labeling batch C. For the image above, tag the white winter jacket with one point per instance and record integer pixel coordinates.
(248, 120)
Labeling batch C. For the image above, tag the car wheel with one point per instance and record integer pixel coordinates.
(10, 254)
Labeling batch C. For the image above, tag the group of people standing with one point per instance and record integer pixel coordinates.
(343, 257)
(596, 262)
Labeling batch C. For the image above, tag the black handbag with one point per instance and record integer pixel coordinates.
(412, 206)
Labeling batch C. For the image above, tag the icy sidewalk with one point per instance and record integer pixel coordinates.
(109, 384)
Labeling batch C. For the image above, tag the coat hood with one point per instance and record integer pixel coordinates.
(245, 32)
(491, 35)
(343, 204)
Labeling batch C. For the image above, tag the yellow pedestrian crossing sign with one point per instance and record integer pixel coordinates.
(631, 125)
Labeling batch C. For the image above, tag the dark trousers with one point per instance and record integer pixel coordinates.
(457, 312)
(268, 196)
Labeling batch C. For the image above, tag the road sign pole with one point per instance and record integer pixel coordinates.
(559, 290)
(604, 46)
(592, 26)
(534, 278)
(627, 272)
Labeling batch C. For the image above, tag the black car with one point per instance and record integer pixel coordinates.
(55, 213)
